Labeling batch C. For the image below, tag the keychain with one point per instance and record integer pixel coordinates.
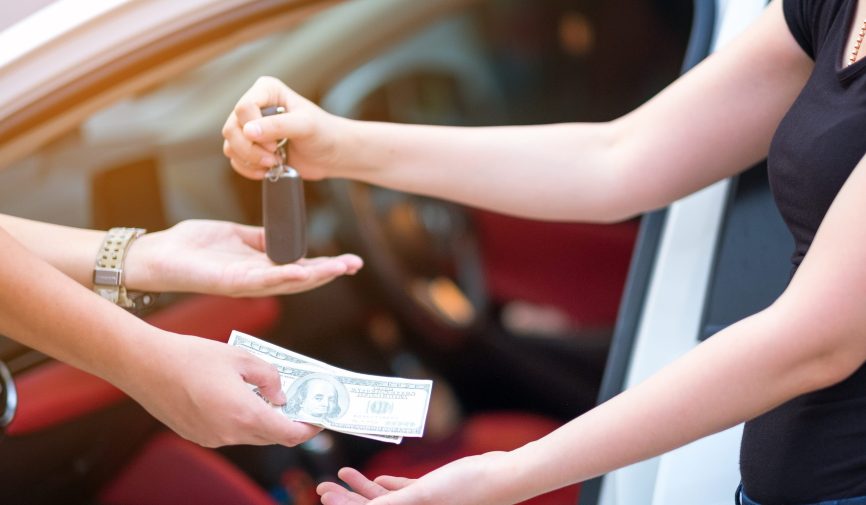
(283, 211)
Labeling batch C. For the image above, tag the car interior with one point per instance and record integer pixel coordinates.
(523, 325)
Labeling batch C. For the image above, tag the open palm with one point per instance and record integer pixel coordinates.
(217, 257)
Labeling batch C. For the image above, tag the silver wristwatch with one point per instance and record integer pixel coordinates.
(108, 271)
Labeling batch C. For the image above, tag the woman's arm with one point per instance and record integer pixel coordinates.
(214, 257)
(181, 380)
(70, 250)
(812, 337)
(713, 122)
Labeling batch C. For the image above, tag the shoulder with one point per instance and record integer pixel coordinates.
(811, 20)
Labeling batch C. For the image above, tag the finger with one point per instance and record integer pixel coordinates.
(266, 91)
(297, 433)
(396, 498)
(329, 487)
(291, 288)
(392, 483)
(276, 276)
(348, 264)
(230, 124)
(327, 269)
(252, 236)
(360, 484)
(276, 428)
(318, 277)
(227, 150)
(255, 172)
(264, 376)
(291, 125)
(268, 284)
(319, 274)
(352, 262)
(236, 145)
(292, 278)
(246, 150)
(342, 498)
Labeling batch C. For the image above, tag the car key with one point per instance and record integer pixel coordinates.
(283, 210)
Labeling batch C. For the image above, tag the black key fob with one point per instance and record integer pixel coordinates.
(284, 217)
(283, 212)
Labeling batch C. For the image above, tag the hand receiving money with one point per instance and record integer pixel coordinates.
(369, 406)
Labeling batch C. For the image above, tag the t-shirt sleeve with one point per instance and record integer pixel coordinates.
(800, 16)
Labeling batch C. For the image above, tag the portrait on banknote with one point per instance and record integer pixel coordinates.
(316, 397)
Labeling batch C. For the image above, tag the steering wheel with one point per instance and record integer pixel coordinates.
(422, 251)
(423, 255)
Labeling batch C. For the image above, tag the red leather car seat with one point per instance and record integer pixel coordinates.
(578, 268)
(172, 470)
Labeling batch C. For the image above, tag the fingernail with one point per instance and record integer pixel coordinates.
(252, 129)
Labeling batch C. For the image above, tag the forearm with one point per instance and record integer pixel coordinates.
(735, 376)
(813, 336)
(557, 172)
(44, 309)
(70, 250)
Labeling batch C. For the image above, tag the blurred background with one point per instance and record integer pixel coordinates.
(114, 120)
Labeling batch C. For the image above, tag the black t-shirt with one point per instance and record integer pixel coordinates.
(813, 447)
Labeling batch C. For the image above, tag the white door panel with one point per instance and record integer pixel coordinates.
(705, 471)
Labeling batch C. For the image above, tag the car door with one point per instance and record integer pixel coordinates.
(713, 255)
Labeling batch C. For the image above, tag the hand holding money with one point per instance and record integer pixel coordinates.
(370, 406)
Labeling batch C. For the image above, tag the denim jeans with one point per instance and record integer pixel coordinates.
(742, 499)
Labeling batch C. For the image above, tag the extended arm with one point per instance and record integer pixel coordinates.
(181, 380)
(712, 123)
(212, 257)
(812, 337)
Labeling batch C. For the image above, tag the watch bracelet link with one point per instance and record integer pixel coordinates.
(108, 281)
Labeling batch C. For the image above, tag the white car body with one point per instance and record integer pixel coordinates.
(704, 472)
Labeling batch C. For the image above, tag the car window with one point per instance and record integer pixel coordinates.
(517, 61)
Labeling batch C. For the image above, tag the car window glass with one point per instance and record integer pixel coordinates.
(542, 61)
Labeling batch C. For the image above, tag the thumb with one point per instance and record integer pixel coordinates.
(392, 483)
(291, 125)
(266, 378)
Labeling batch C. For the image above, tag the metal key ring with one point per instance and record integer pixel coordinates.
(273, 110)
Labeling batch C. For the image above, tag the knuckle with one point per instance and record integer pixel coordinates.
(244, 420)
(248, 360)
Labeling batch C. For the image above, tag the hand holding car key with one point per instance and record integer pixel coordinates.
(283, 211)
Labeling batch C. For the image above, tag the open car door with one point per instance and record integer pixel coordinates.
(705, 262)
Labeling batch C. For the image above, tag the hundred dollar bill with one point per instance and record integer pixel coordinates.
(276, 354)
(383, 408)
